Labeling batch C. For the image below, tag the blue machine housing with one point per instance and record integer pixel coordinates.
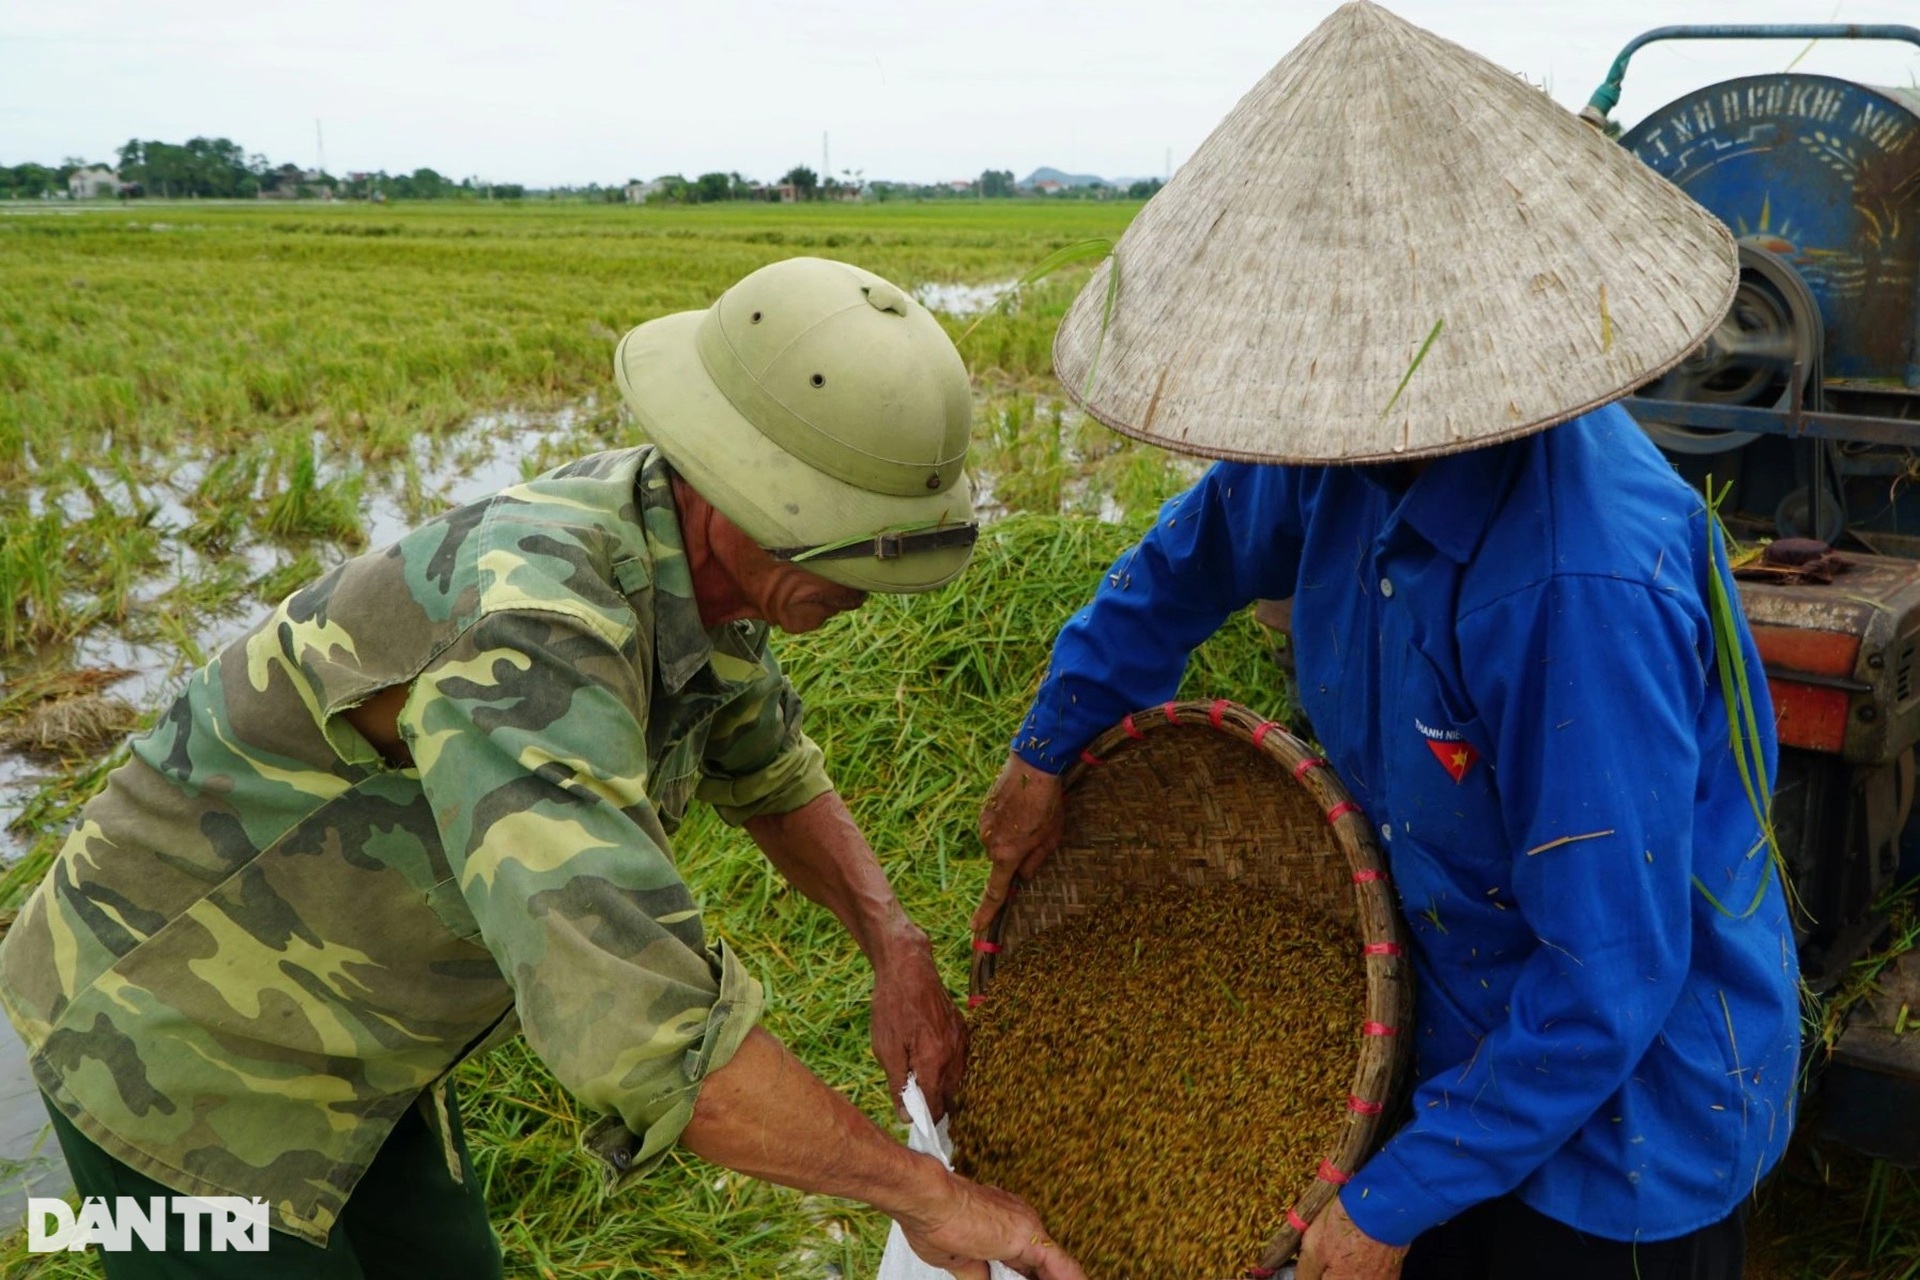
(1825, 174)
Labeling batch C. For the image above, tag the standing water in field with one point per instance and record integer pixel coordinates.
(963, 300)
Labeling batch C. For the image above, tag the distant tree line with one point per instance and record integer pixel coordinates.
(215, 168)
(804, 183)
(208, 167)
(219, 168)
(29, 181)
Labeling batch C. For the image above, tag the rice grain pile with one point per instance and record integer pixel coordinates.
(1160, 1077)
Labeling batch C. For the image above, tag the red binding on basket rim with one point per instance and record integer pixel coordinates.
(1087, 757)
(1311, 762)
(1294, 1220)
(1133, 730)
(986, 948)
(1327, 1173)
(1217, 713)
(1341, 810)
(1361, 1107)
(1368, 877)
(1261, 730)
(1381, 949)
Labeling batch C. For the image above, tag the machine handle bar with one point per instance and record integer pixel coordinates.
(1607, 96)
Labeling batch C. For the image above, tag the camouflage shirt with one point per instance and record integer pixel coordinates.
(264, 941)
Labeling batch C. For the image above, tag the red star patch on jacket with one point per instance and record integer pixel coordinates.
(1455, 757)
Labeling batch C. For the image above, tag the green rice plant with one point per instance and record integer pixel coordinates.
(1743, 727)
(306, 506)
(1125, 477)
(222, 501)
(1900, 907)
(1419, 357)
(33, 605)
(1832, 1215)
(1023, 456)
(1088, 251)
(209, 352)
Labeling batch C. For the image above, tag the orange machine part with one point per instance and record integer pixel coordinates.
(1809, 715)
(1818, 653)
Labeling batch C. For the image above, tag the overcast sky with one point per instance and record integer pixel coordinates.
(573, 91)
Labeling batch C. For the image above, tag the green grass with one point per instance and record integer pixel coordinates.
(193, 421)
(1836, 1216)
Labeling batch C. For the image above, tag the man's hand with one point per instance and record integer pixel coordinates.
(916, 1026)
(765, 1115)
(985, 1222)
(1021, 825)
(1335, 1249)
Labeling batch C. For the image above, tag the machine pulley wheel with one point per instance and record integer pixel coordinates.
(1772, 326)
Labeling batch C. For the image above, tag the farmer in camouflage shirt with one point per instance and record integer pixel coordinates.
(428, 802)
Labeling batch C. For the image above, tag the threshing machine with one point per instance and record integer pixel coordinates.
(1806, 401)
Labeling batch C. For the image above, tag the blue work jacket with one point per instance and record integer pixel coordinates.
(1509, 662)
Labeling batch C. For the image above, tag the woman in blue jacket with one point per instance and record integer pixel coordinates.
(1502, 634)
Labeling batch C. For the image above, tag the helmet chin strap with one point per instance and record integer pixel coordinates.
(888, 544)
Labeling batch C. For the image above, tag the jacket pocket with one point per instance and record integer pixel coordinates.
(1441, 785)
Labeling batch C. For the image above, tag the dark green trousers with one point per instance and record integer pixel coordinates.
(406, 1220)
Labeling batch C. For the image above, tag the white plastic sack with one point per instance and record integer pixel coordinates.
(900, 1262)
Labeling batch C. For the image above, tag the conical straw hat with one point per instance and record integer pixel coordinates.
(1381, 194)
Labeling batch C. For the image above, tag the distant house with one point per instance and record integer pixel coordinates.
(291, 182)
(778, 193)
(96, 182)
(280, 184)
(1049, 186)
(960, 184)
(641, 192)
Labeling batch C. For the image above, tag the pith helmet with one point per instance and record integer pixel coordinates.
(1392, 248)
(823, 411)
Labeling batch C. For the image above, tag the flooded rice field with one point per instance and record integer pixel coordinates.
(133, 666)
(210, 566)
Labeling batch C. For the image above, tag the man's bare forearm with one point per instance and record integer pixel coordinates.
(821, 852)
(765, 1115)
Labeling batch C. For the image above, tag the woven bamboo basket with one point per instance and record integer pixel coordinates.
(1201, 793)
